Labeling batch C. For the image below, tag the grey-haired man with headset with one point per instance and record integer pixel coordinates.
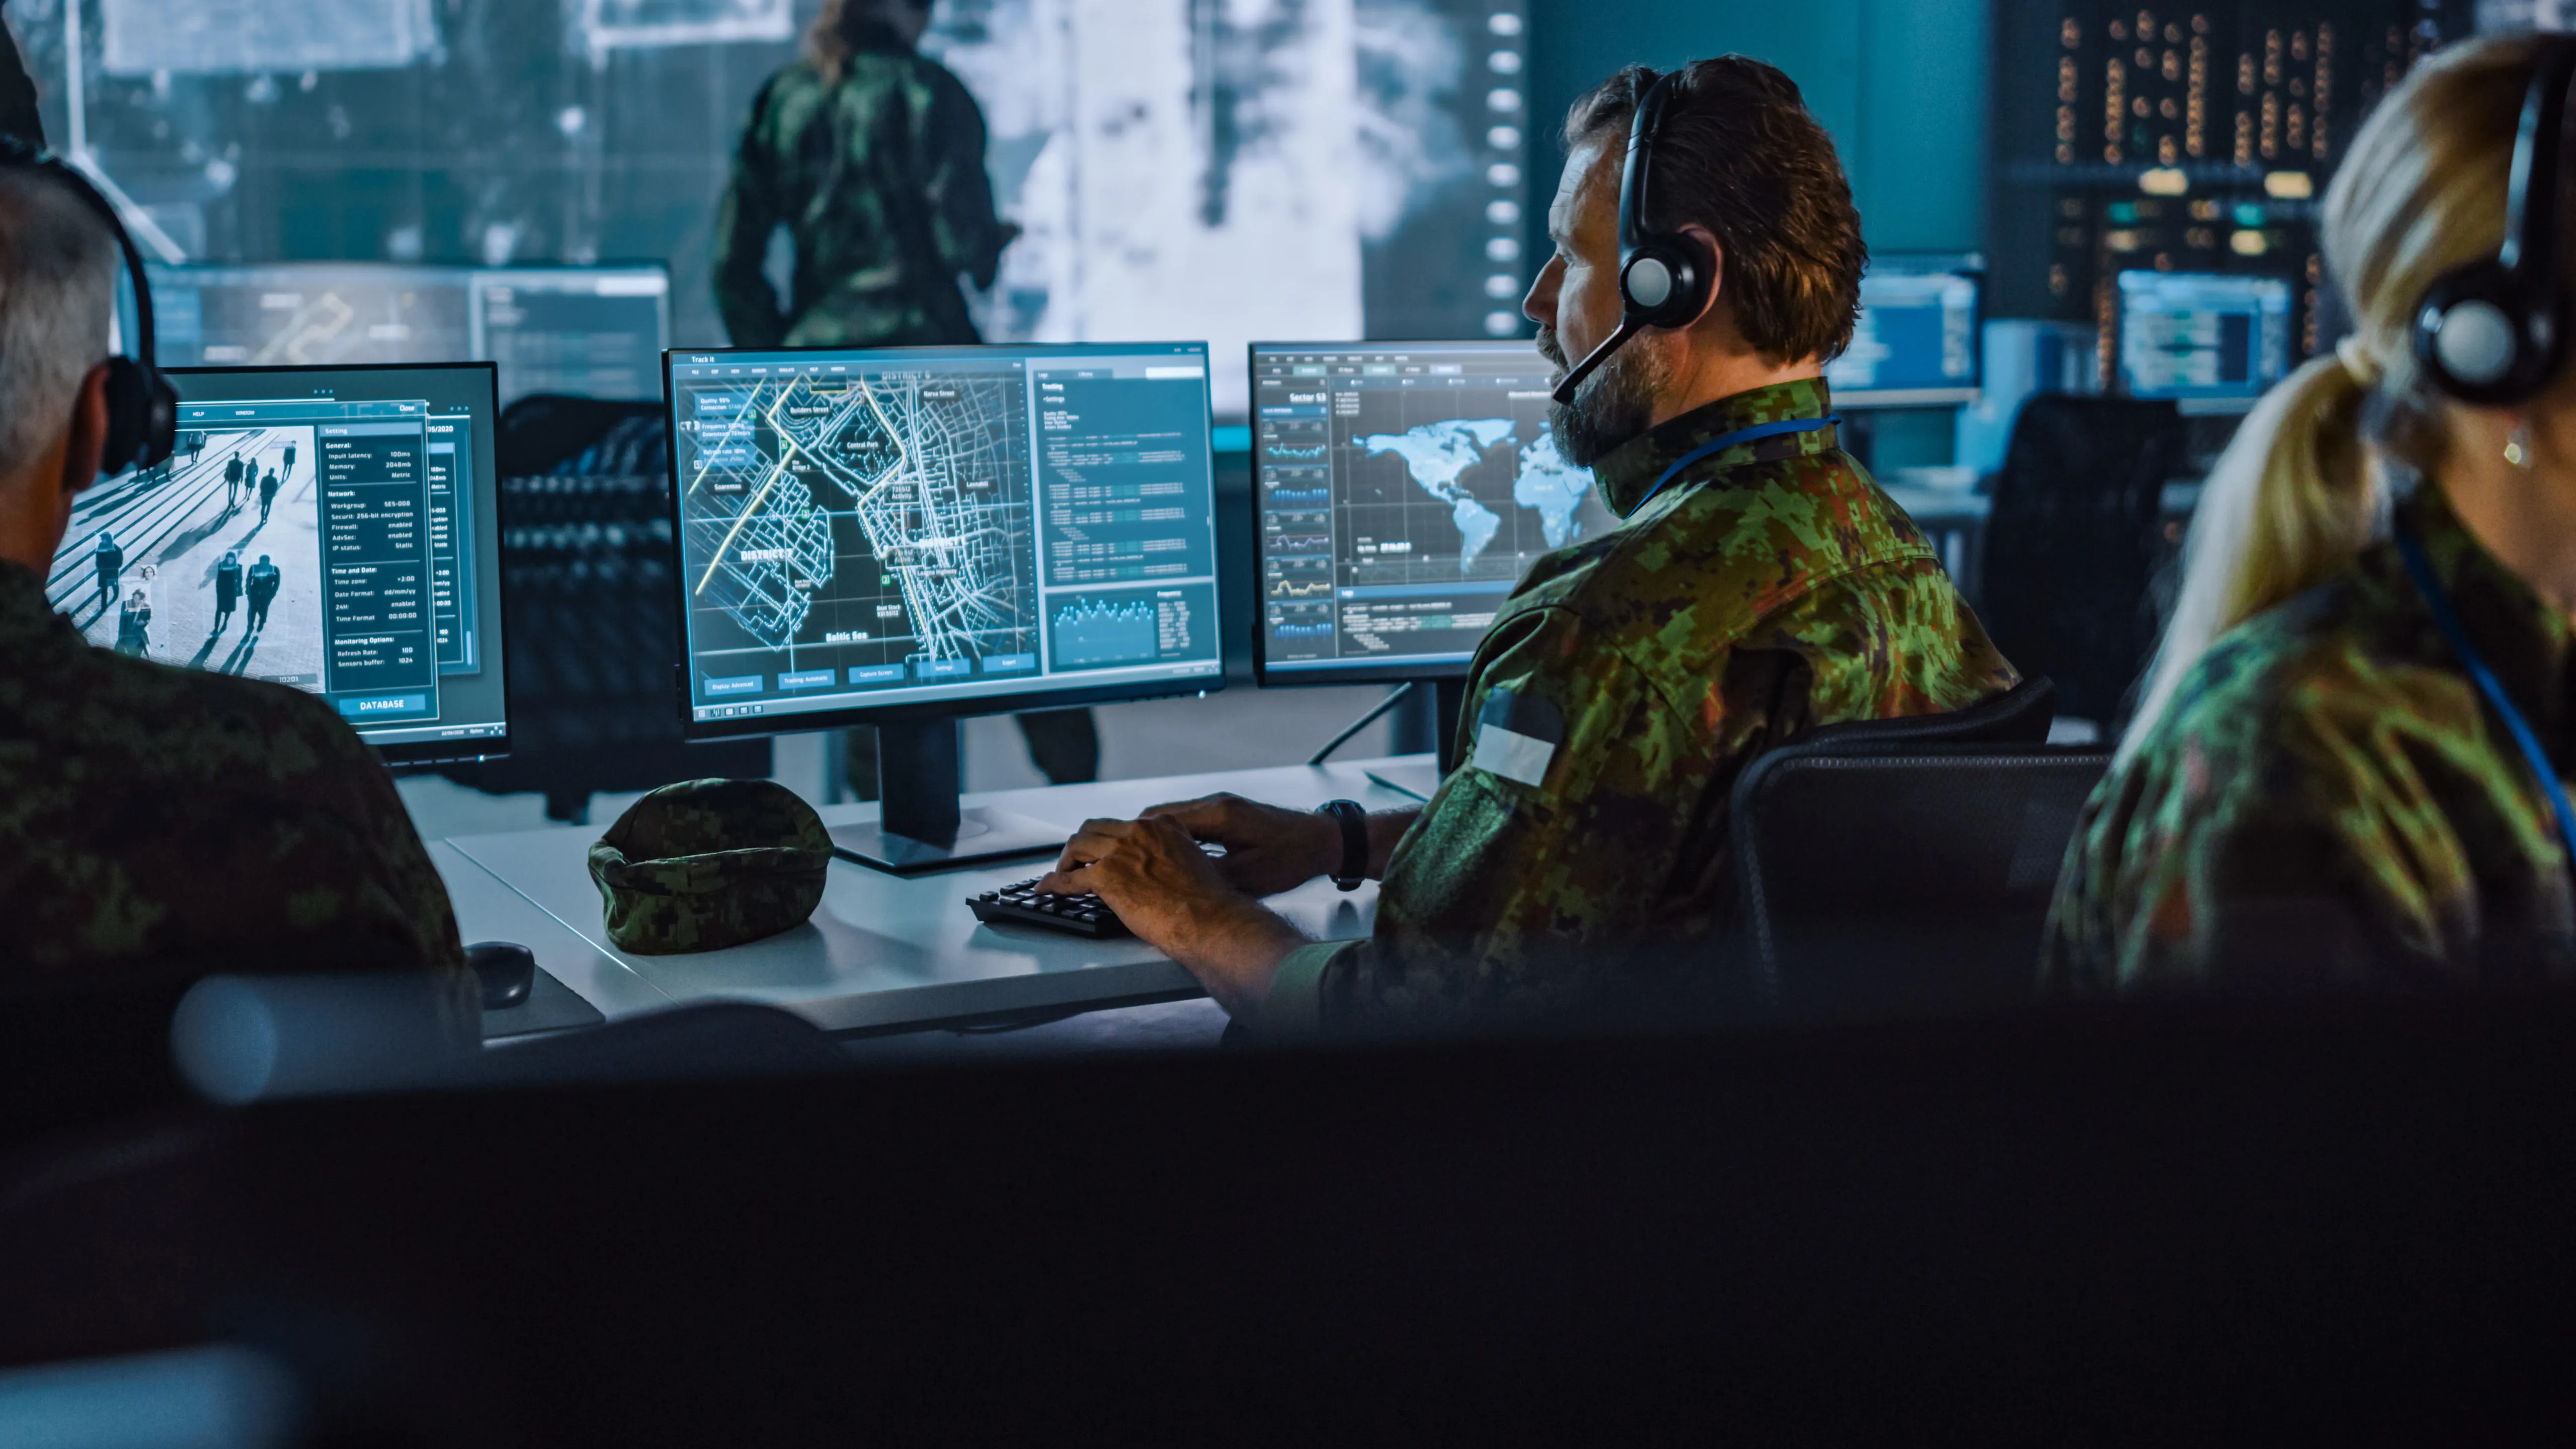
(157, 814)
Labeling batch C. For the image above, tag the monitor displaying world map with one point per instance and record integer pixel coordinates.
(1403, 490)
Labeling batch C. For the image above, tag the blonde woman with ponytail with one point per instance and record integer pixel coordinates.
(2315, 792)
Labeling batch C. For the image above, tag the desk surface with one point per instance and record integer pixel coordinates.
(887, 952)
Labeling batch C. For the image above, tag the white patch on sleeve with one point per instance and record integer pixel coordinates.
(1512, 756)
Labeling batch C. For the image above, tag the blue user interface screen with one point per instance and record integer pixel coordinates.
(1916, 338)
(331, 529)
(866, 529)
(2187, 335)
(1402, 490)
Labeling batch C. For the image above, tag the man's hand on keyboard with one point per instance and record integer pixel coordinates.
(1175, 898)
(1267, 849)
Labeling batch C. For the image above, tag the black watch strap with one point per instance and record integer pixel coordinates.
(1355, 844)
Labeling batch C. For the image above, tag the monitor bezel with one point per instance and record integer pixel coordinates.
(422, 754)
(696, 730)
(1321, 676)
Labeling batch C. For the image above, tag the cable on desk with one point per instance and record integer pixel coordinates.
(1393, 698)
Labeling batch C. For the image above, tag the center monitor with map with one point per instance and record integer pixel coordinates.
(901, 536)
(333, 529)
(1401, 490)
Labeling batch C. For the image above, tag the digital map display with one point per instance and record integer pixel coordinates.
(1403, 493)
(880, 528)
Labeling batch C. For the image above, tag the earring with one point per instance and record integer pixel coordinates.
(2517, 445)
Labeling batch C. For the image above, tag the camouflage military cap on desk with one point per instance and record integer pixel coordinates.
(710, 863)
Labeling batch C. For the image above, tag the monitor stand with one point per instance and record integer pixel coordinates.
(921, 827)
(1428, 723)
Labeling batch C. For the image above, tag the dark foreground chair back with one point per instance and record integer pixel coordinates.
(587, 561)
(1881, 872)
(2071, 544)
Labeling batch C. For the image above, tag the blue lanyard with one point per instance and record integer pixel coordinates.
(2448, 621)
(1720, 444)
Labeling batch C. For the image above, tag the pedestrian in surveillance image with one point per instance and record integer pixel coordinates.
(264, 582)
(228, 587)
(111, 564)
(195, 530)
(134, 623)
(287, 471)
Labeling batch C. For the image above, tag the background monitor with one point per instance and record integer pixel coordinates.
(1916, 341)
(916, 533)
(590, 331)
(1401, 490)
(2194, 335)
(381, 590)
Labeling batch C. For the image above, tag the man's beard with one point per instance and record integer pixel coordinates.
(1615, 404)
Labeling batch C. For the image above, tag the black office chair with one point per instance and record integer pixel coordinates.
(2071, 544)
(589, 612)
(1886, 868)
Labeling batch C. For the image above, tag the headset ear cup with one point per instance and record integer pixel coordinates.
(160, 432)
(128, 406)
(1666, 281)
(2477, 338)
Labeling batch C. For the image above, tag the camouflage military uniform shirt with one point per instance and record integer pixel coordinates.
(880, 180)
(2328, 801)
(1766, 590)
(149, 812)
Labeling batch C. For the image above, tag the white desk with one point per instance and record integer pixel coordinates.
(887, 952)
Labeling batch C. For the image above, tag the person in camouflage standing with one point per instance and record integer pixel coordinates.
(154, 814)
(871, 154)
(19, 116)
(1576, 858)
(2314, 794)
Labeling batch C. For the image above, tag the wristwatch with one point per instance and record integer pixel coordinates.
(1355, 844)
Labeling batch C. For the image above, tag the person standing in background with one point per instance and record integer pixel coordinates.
(18, 115)
(871, 154)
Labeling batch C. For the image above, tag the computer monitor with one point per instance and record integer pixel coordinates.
(1400, 492)
(2188, 335)
(591, 331)
(900, 536)
(331, 528)
(1916, 341)
(588, 331)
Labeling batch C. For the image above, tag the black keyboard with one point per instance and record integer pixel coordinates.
(1024, 904)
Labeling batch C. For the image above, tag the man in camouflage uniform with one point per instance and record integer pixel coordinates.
(1577, 857)
(151, 813)
(2327, 801)
(871, 154)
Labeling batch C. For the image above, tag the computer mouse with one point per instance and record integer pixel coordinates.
(506, 969)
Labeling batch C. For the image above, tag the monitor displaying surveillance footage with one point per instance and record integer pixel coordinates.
(331, 529)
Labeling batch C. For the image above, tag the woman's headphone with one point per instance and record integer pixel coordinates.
(2493, 332)
(1664, 276)
(142, 406)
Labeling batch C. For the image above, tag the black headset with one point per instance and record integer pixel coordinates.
(1665, 277)
(142, 406)
(2494, 332)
